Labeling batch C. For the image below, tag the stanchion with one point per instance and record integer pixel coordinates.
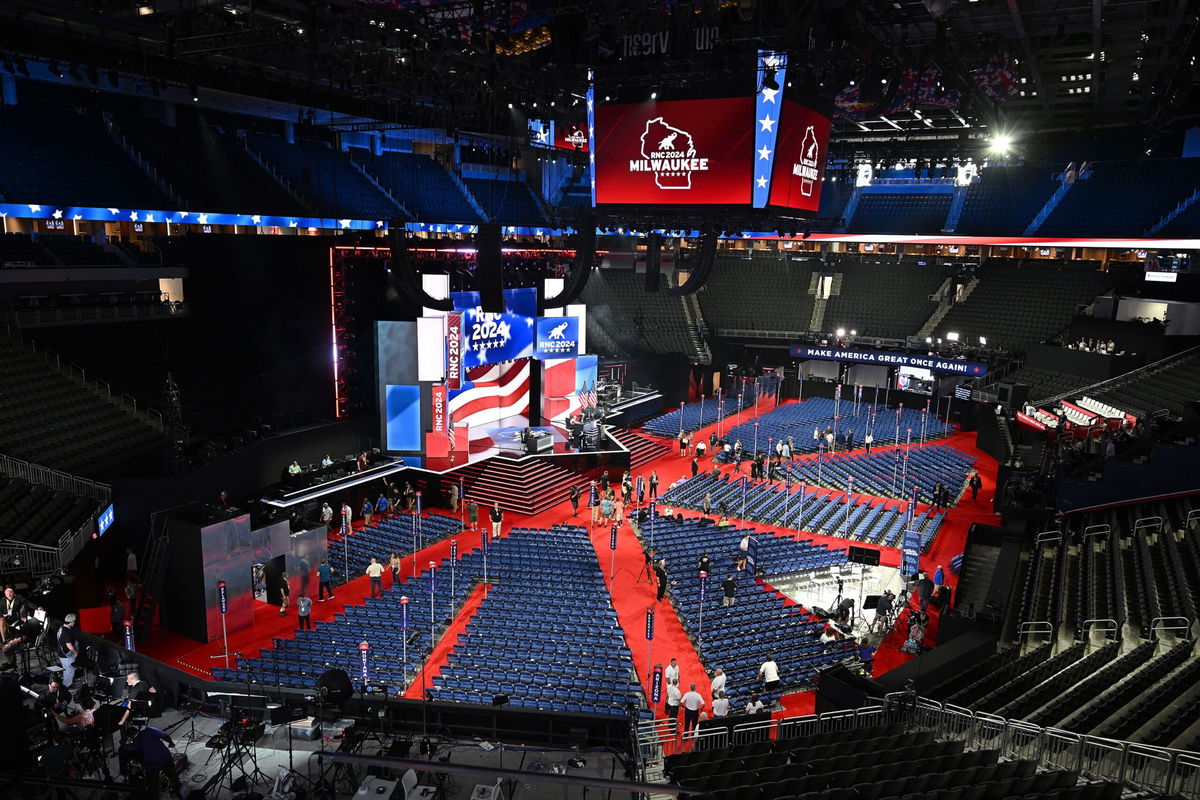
(223, 605)
(432, 613)
(703, 593)
(453, 560)
(612, 546)
(404, 636)
(849, 499)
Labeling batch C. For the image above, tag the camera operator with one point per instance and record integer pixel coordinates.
(148, 748)
(24, 631)
(136, 690)
(55, 698)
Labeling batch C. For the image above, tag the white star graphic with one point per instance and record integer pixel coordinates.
(57, 213)
(183, 214)
(767, 123)
(34, 207)
(769, 95)
(764, 153)
(771, 61)
(133, 215)
(378, 223)
(762, 182)
(113, 211)
(345, 223)
(202, 219)
(77, 217)
(589, 105)
(149, 218)
(292, 224)
(255, 218)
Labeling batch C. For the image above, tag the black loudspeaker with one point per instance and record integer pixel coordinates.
(500, 700)
(489, 274)
(863, 555)
(334, 686)
(653, 260)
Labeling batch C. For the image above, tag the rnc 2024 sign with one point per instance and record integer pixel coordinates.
(970, 369)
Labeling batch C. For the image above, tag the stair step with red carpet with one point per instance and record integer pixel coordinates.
(526, 486)
(641, 450)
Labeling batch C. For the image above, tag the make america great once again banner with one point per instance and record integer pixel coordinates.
(969, 368)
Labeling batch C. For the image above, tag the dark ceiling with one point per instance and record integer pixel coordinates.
(902, 72)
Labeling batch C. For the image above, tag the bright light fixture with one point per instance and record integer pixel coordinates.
(841, 331)
(1001, 143)
(952, 336)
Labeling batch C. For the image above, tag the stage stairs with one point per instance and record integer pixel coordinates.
(526, 486)
(641, 450)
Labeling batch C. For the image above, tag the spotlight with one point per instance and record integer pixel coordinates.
(1001, 143)
(854, 333)
(983, 340)
(841, 331)
(952, 336)
(654, 95)
(769, 80)
(510, 106)
(194, 91)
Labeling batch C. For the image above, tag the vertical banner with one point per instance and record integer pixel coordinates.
(418, 503)
(223, 597)
(454, 351)
(128, 629)
(404, 613)
(345, 529)
(703, 587)
(454, 549)
(656, 684)
(752, 555)
(641, 490)
(439, 409)
(649, 624)
(911, 552)
(363, 649)
(612, 538)
(594, 494)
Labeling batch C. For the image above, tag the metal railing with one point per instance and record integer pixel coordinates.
(1111, 383)
(55, 479)
(1157, 769)
(62, 316)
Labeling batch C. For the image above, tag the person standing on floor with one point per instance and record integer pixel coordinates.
(976, 484)
(720, 705)
(497, 517)
(68, 649)
(695, 466)
(706, 504)
(692, 703)
(324, 580)
(573, 496)
(327, 516)
(381, 506)
(285, 593)
(607, 509)
(367, 508)
(131, 564)
(671, 673)
(594, 503)
(304, 611)
(375, 573)
(939, 576)
(924, 591)
(653, 484)
(674, 697)
(473, 514)
(660, 572)
(394, 565)
(454, 497)
(700, 449)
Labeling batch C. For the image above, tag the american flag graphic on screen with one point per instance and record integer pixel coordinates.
(491, 393)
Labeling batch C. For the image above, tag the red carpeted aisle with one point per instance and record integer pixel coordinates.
(445, 646)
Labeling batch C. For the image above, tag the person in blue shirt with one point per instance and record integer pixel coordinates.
(324, 581)
(367, 508)
(939, 576)
(381, 505)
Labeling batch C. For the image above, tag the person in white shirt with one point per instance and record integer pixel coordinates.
(720, 705)
(130, 564)
(828, 636)
(671, 673)
(674, 696)
(692, 703)
(868, 441)
(754, 706)
(326, 514)
(769, 672)
(718, 682)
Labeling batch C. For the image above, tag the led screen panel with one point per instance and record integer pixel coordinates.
(799, 158)
(676, 152)
(488, 338)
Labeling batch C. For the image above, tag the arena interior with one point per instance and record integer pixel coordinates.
(733, 399)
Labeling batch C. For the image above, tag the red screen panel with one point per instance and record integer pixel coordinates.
(571, 136)
(800, 154)
(677, 152)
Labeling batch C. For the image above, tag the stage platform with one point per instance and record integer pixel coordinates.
(282, 497)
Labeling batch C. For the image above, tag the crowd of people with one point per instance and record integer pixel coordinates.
(1094, 346)
(693, 703)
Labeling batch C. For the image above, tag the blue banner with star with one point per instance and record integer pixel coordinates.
(491, 337)
(772, 70)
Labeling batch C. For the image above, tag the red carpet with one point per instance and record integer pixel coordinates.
(630, 598)
(445, 646)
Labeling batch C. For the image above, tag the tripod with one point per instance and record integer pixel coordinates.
(647, 573)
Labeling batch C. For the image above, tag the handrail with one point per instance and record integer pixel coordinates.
(1102, 529)
(1154, 522)
(1049, 537)
(1112, 627)
(1193, 516)
(1160, 624)
(1026, 628)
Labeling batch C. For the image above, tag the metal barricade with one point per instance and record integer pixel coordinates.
(13, 557)
(988, 732)
(1024, 741)
(1185, 778)
(42, 560)
(840, 720)
(1102, 759)
(958, 723)
(1042, 627)
(798, 726)
(709, 739)
(750, 732)
(1096, 530)
(1105, 626)
(1060, 749)
(1149, 767)
(1049, 537)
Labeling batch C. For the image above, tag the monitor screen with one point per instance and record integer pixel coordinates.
(105, 520)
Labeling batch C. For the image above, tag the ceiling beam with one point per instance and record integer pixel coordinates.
(1027, 45)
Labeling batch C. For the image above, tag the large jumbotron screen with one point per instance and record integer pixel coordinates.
(746, 145)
